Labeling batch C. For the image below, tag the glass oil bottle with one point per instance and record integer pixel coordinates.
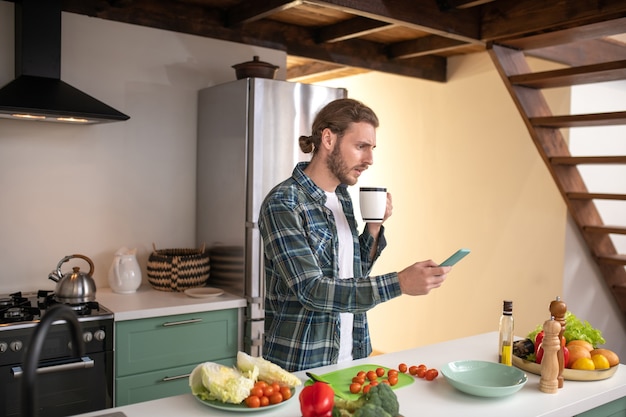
(505, 343)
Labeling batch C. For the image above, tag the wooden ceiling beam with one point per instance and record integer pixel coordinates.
(370, 56)
(445, 5)
(502, 20)
(349, 29)
(422, 46)
(425, 16)
(312, 68)
(250, 11)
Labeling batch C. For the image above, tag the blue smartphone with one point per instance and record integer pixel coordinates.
(456, 257)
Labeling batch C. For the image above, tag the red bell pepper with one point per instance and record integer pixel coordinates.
(317, 400)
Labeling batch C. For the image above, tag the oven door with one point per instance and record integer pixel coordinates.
(62, 392)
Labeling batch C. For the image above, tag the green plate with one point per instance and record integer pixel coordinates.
(340, 380)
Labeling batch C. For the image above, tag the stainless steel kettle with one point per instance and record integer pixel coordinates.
(75, 287)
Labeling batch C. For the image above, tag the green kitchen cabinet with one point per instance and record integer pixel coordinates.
(154, 356)
(616, 408)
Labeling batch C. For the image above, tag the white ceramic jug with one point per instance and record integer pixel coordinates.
(125, 273)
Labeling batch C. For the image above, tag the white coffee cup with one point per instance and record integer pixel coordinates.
(373, 203)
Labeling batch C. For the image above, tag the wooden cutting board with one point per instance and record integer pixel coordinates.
(340, 380)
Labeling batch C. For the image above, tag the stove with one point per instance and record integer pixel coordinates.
(66, 385)
(26, 309)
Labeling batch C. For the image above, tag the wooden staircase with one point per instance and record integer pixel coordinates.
(527, 90)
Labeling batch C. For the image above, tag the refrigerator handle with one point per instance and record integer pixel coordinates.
(255, 292)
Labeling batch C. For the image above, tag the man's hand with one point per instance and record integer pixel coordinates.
(421, 277)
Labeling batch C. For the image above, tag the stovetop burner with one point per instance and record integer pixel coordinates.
(17, 308)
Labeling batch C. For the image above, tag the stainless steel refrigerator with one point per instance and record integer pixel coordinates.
(248, 134)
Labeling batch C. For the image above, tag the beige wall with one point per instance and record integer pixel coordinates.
(463, 173)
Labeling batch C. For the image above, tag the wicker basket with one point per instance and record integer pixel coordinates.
(178, 269)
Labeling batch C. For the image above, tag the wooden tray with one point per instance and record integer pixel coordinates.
(568, 374)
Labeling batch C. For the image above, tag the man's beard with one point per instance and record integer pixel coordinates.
(338, 166)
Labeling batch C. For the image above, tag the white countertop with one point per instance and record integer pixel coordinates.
(148, 302)
(427, 397)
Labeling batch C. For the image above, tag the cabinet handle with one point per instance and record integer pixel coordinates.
(177, 323)
(174, 378)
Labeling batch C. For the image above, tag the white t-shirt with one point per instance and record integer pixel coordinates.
(346, 255)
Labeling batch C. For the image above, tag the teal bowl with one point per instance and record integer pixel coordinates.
(484, 379)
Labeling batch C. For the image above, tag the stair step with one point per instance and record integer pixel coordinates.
(613, 259)
(619, 291)
(596, 196)
(581, 120)
(577, 160)
(606, 229)
(586, 74)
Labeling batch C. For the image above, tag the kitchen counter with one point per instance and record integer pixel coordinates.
(148, 302)
(426, 397)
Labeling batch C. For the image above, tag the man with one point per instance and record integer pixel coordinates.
(318, 287)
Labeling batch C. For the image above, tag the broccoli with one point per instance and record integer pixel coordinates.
(371, 410)
(380, 401)
(383, 396)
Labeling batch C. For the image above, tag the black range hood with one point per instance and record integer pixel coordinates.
(38, 93)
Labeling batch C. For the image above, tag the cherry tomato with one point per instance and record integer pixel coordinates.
(392, 372)
(393, 380)
(256, 391)
(380, 372)
(358, 380)
(265, 401)
(253, 401)
(286, 392)
(421, 372)
(276, 398)
(361, 374)
(261, 384)
(385, 381)
(366, 389)
(371, 375)
(413, 370)
(355, 387)
(276, 386)
(402, 368)
(373, 383)
(268, 391)
(431, 374)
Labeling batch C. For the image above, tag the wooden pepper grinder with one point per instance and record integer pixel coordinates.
(550, 363)
(558, 310)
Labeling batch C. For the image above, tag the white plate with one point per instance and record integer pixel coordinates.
(203, 292)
